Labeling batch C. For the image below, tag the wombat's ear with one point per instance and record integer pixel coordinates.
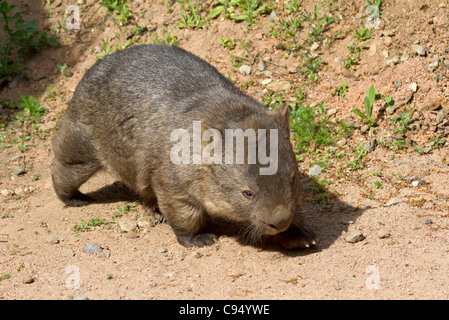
(283, 114)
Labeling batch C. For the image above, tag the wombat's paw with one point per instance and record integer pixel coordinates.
(157, 216)
(296, 238)
(197, 240)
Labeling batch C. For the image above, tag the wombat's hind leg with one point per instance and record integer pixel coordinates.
(67, 178)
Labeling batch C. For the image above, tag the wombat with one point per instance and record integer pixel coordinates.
(123, 118)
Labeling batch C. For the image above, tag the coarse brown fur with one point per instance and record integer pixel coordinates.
(120, 119)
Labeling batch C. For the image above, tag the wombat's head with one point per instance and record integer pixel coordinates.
(262, 188)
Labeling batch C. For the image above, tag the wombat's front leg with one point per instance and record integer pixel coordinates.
(187, 222)
(297, 235)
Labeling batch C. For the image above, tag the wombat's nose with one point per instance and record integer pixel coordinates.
(280, 219)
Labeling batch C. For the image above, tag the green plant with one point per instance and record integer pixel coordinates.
(290, 27)
(90, 225)
(402, 123)
(5, 276)
(241, 10)
(341, 90)
(120, 9)
(106, 49)
(311, 66)
(368, 104)
(190, 16)
(311, 127)
(363, 34)
(32, 109)
(127, 207)
(378, 185)
(354, 56)
(389, 101)
(21, 38)
(227, 43)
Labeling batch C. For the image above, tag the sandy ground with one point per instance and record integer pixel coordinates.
(405, 250)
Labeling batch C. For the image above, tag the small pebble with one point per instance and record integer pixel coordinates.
(397, 83)
(383, 234)
(92, 248)
(315, 170)
(19, 170)
(52, 239)
(420, 50)
(354, 236)
(413, 86)
(27, 279)
(428, 221)
(418, 182)
(131, 235)
(163, 250)
(370, 145)
(81, 297)
(393, 201)
(245, 69)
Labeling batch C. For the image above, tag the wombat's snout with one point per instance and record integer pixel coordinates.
(278, 221)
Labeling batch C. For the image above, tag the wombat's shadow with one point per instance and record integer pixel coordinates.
(324, 213)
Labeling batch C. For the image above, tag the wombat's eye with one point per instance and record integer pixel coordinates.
(248, 194)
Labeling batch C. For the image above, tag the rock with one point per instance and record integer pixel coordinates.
(131, 235)
(418, 182)
(331, 112)
(19, 191)
(420, 50)
(144, 222)
(392, 61)
(364, 128)
(261, 66)
(393, 201)
(315, 170)
(341, 142)
(402, 98)
(266, 81)
(441, 115)
(397, 83)
(162, 250)
(413, 86)
(314, 47)
(245, 69)
(279, 86)
(405, 57)
(388, 41)
(5, 192)
(446, 63)
(370, 145)
(27, 279)
(16, 157)
(388, 33)
(383, 234)
(51, 239)
(81, 297)
(428, 221)
(127, 224)
(48, 126)
(272, 16)
(19, 170)
(92, 248)
(68, 253)
(354, 236)
(15, 82)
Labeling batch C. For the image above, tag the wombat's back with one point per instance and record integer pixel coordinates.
(150, 76)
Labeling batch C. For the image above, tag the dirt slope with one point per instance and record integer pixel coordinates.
(405, 250)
